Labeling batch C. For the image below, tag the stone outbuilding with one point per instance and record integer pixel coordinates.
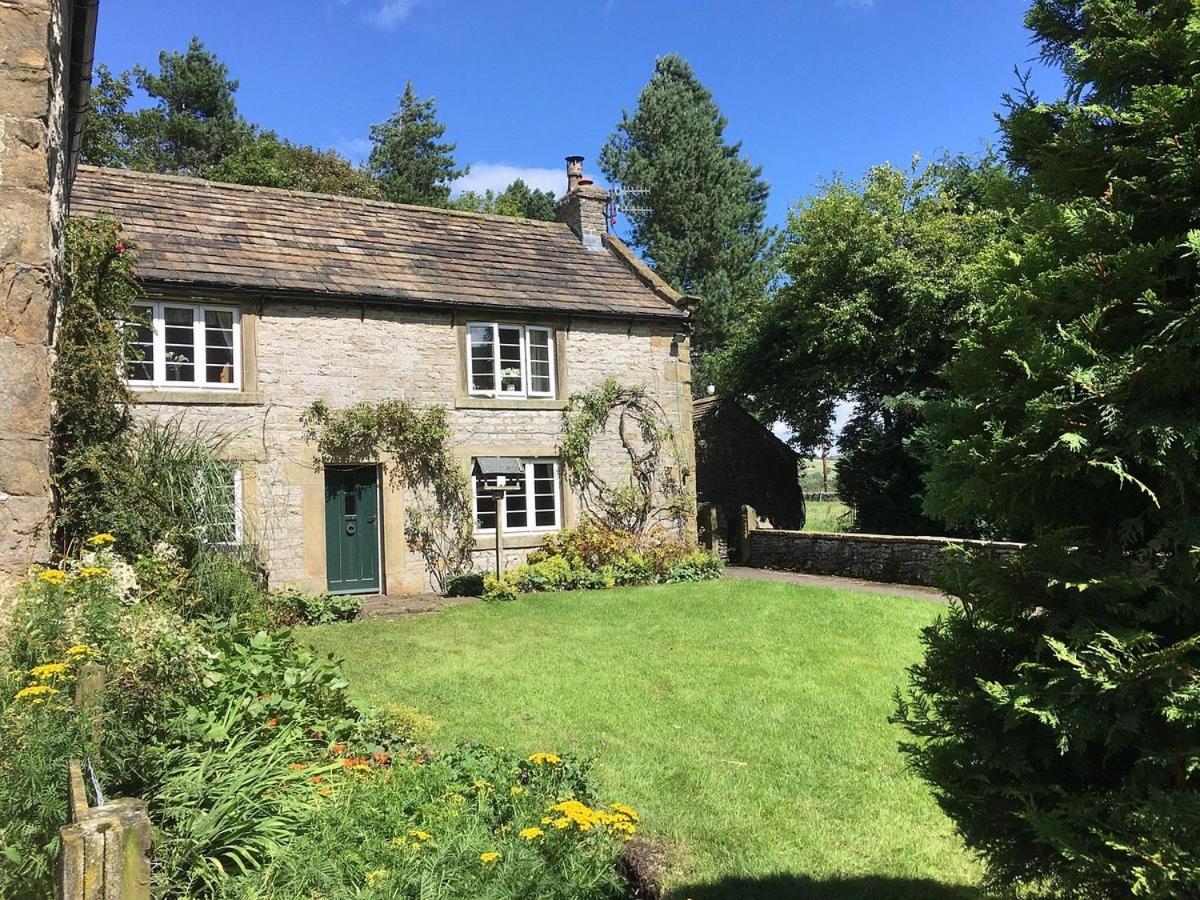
(741, 462)
(259, 302)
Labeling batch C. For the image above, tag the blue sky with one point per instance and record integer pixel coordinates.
(811, 87)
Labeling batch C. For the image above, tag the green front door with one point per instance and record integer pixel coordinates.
(352, 529)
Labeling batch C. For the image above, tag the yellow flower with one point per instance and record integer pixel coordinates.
(375, 876)
(81, 650)
(419, 835)
(92, 571)
(548, 759)
(490, 857)
(516, 789)
(52, 576)
(49, 670)
(530, 834)
(99, 540)
(481, 785)
(35, 690)
(625, 811)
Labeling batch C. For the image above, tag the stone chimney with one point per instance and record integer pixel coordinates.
(584, 206)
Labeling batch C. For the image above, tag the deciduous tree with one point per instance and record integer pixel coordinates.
(518, 200)
(879, 277)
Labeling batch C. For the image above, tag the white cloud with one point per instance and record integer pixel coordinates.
(391, 12)
(354, 149)
(497, 176)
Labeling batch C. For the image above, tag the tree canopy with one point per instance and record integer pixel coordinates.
(518, 199)
(270, 161)
(408, 158)
(1057, 711)
(705, 203)
(878, 277)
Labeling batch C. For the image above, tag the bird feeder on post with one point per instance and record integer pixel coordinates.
(501, 476)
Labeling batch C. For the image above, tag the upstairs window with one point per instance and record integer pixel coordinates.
(183, 345)
(536, 505)
(510, 360)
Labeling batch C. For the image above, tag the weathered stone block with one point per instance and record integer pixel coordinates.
(24, 385)
(24, 28)
(24, 303)
(23, 160)
(24, 226)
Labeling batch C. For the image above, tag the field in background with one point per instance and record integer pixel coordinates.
(826, 514)
(746, 721)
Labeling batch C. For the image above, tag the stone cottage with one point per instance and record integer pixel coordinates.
(262, 301)
(45, 69)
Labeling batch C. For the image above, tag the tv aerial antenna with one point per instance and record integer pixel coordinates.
(626, 200)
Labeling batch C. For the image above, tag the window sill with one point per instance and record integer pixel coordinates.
(198, 397)
(508, 403)
(513, 540)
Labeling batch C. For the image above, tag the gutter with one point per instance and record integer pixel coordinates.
(159, 286)
(81, 46)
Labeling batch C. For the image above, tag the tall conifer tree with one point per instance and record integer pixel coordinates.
(410, 161)
(1057, 711)
(706, 203)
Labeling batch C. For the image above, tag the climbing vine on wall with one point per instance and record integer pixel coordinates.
(91, 402)
(439, 523)
(653, 491)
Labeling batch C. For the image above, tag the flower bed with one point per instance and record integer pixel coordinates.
(252, 757)
(593, 556)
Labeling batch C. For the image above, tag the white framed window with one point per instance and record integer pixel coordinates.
(219, 505)
(536, 506)
(185, 345)
(510, 360)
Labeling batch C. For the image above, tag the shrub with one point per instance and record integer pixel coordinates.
(295, 607)
(498, 588)
(224, 585)
(1056, 713)
(473, 822)
(251, 755)
(391, 727)
(467, 584)
(593, 556)
(39, 731)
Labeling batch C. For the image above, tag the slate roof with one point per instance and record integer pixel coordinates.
(200, 235)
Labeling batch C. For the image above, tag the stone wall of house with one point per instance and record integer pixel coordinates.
(874, 557)
(343, 353)
(31, 216)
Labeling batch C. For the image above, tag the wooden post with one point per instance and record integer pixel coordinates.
(500, 512)
(748, 523)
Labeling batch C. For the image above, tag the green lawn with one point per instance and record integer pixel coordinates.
(745, 720)
(827, 515)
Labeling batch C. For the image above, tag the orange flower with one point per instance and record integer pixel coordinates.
(382, 759)
(317, 779)
(272, 722)
(337, 749)
(298, 767)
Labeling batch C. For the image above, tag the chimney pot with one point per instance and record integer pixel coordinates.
(574, 172)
